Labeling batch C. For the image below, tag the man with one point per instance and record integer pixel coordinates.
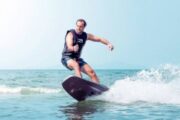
(75, 39)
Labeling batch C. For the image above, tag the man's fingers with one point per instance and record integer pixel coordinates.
(110, 46)
(76, 48)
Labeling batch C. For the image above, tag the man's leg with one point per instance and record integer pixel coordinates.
(90, 72)
(75, 66)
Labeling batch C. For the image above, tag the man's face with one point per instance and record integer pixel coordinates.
(80, 27)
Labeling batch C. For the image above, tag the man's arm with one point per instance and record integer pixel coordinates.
(69, 42)
(99, 39)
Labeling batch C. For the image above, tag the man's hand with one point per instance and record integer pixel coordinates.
(76, 48)
(110, 46)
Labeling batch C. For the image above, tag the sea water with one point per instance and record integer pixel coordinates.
(149, 94)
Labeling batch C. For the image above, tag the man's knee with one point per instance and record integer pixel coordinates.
(92, 73)
(72, 64)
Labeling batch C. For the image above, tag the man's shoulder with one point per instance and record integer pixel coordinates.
(70, 31)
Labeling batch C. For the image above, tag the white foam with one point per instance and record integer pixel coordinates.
(160, 85)
(26, 90)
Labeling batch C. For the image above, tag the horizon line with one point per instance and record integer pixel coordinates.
(68, 70)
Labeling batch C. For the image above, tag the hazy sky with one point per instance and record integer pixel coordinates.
(145, 33)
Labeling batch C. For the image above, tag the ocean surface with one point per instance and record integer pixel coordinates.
(149, 94)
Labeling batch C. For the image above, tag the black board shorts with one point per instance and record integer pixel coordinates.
(64, 60)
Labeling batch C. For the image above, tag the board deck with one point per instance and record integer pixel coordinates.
(81, 89)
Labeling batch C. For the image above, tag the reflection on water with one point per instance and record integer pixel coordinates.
(82, 110)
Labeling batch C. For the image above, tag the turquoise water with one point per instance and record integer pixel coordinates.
(152, 94)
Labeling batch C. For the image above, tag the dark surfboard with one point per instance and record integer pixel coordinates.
(81, 89)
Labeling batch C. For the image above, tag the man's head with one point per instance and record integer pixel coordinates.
(80, 25)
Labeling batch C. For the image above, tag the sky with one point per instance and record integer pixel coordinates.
(145, 33)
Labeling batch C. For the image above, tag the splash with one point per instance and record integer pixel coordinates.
(27, 90)
(161, 85)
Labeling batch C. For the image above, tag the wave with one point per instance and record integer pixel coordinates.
(27, 90)
(156, 85)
